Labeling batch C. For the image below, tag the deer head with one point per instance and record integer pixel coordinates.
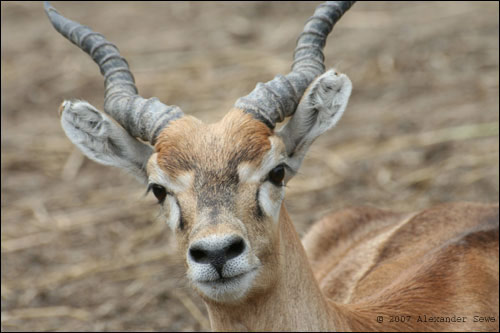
(220, 186)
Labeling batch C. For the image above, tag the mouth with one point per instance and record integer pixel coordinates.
(225, 280)
(227, 288)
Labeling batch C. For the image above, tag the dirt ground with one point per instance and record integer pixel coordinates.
(82, 248)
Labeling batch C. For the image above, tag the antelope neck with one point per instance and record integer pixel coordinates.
(295, 303)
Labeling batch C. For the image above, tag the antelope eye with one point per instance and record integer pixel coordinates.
(159, 191)
(277, 175)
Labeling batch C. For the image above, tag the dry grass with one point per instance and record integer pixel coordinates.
(83, 249)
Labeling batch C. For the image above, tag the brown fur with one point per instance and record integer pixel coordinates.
(188, 143)
(440, 262)
(456, 275)
(361, 263)
(292, 302)
(216, 202)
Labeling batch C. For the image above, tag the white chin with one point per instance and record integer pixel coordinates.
(229, 290)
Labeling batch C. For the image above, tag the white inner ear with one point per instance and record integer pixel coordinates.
(102, 139)
(320, 109)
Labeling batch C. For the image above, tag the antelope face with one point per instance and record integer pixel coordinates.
(221, 187)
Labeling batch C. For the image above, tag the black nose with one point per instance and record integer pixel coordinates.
(217, 252)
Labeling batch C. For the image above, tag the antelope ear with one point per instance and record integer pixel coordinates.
(320, 108)
(101, 139)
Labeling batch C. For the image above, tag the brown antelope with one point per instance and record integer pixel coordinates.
(221, 189)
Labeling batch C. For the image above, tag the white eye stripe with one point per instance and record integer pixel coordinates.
(158, 176)
(270, 198)
(173, 210)
(248, 173)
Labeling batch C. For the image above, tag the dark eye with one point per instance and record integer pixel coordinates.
(159, 192)
(277, 174)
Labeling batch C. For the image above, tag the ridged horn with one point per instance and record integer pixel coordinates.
(271, 102)
(142, 118)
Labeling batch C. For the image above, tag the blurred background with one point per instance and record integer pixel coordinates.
(83, 249)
